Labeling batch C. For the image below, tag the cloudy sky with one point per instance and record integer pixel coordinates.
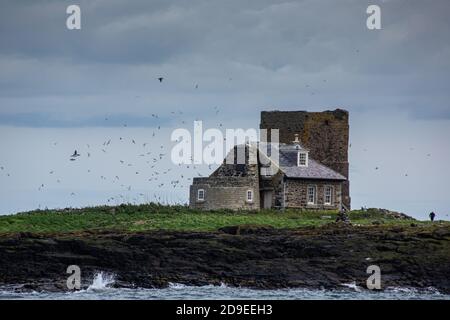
(223, 62)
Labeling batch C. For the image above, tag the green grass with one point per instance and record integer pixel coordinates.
(153, 217)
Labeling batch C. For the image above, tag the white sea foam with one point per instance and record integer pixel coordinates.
(101, 281)
(101, 289)
(174, 285)
(352, 285)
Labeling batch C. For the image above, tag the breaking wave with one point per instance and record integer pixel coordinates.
(101, 281)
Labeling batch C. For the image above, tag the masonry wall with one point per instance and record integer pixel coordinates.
(225, 193)
(226, 188)
(325, 134)
(296, 194)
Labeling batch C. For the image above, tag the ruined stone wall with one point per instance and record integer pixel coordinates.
(325, 134)
(296, 194)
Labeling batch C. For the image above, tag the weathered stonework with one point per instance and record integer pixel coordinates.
(227, 187)
(225, 193)
(296, 194)
(323, 140)
(325, 134)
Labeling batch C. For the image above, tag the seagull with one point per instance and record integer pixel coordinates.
(75, 154)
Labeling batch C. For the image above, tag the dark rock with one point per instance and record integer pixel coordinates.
(246, 229)
(255, 256)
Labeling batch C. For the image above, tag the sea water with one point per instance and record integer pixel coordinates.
(102, 289)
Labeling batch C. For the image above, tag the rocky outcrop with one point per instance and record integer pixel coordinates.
(410, 256)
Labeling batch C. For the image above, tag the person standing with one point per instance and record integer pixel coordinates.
(432, 215)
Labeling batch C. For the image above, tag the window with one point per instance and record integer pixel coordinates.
(328, 195)
(302, 159)
(311, 194)
(249, 196)
(266, 171)
(201, 195)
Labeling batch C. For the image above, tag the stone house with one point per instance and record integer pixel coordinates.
(311, 176)
(296, 181)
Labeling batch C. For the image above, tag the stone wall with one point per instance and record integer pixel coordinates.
(226, 188)
(223, 192)
(296, 194)
(325, 134)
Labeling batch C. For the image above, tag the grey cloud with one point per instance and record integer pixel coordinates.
(277, 52)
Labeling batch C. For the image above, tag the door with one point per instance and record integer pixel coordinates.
(268, 199)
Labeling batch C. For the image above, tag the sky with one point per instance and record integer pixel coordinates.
(223, 62)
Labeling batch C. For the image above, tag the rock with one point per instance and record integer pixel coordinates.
(246, 229)
(255, 256)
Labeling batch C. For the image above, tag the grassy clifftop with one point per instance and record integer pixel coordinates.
(177, 218)
(300, 249)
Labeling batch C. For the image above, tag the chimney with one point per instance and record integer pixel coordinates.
(296, 139)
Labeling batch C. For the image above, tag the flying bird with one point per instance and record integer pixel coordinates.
(160, 79)
(75, 154)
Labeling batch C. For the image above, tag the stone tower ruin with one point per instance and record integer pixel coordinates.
(325, 134)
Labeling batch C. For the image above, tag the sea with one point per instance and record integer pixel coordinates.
(102, 288)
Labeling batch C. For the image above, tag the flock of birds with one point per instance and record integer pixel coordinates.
(158, 177)
(152, 165)
(153, 172)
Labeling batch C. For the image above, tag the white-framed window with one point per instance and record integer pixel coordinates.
(249, 196)
(302, 159)
(201, 194)
(328, 195)
(311, 194)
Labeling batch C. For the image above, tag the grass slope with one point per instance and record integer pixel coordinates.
(154, 217)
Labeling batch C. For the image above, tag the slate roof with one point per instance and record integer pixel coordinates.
(314, 170)
(287, 164)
